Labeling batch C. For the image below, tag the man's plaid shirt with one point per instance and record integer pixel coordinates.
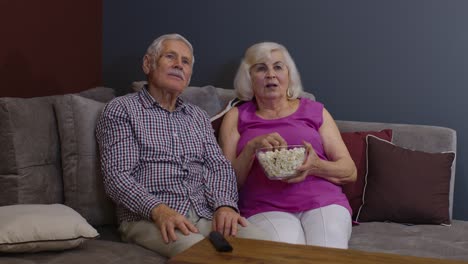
(151, 156)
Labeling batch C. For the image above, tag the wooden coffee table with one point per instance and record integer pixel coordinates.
(257, 251)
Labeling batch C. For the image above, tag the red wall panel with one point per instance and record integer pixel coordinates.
(49, 47)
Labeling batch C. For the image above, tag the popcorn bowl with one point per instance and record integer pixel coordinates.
(281, 162)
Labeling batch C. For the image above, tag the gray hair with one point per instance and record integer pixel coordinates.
(255, 53)
(155, 48)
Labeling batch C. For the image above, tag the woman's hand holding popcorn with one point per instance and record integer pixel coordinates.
(270, 140)
(311, 162)
(281, 162)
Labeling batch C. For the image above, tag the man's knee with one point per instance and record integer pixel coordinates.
(183, 242)
(147, 235)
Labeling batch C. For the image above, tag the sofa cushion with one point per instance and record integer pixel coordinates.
(432, 241)
(357, 147)
(82, 179)
(93, 251)
(30, 167)
(30, 158)
(101, 94)
(206, 97)
(405, 186)
(40, 227)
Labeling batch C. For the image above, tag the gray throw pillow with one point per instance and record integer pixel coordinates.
(101, 94)
(30, 157)
(205, 97)
(82, 179)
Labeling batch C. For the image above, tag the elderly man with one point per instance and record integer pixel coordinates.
(161, 163)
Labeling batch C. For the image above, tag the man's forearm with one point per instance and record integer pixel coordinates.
(125, 191)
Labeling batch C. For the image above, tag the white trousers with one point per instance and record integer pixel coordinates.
(328, 226)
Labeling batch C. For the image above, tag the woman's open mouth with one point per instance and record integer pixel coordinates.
(271, 85)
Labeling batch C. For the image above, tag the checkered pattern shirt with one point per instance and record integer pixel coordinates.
(151, 156)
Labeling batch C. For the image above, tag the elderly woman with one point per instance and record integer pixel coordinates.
(309, 208)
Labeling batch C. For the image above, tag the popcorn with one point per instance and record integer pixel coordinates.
(283, 162)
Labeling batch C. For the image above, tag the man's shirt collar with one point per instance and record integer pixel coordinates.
(149, 102)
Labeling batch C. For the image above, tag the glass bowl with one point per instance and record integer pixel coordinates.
(281, 162)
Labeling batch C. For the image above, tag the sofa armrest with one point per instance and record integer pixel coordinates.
(416, 137)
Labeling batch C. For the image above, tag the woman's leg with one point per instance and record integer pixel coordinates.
(251, 231)
(281, 226)
(328, 226)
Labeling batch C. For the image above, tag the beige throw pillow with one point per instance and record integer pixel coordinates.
(42, 227)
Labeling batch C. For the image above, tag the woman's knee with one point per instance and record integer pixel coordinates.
(328, 226)
(282, 227)
(253, 231)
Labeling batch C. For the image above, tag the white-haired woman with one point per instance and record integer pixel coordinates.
(309, 208)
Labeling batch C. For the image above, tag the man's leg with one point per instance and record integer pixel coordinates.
(146, 234)
(281, 226)
(329, 226)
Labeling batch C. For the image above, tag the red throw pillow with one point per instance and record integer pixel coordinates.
(356, 144)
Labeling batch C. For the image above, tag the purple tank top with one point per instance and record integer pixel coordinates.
(259, 194)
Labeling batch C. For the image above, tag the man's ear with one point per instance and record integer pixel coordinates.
(146, 64)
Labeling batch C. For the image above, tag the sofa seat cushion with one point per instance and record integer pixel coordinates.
(434, 241)
(94, 251)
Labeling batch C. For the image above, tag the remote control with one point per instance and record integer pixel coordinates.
(219, 242)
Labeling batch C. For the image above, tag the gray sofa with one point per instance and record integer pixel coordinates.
(50, 157)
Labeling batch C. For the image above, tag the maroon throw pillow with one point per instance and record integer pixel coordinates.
(356, 144)
(406, 186)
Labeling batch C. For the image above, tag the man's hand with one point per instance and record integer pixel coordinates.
(225, 220)
(168, 220)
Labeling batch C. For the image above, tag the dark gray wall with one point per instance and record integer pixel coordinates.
(401, 61)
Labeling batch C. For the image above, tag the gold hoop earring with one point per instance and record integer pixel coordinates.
(289, 93)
